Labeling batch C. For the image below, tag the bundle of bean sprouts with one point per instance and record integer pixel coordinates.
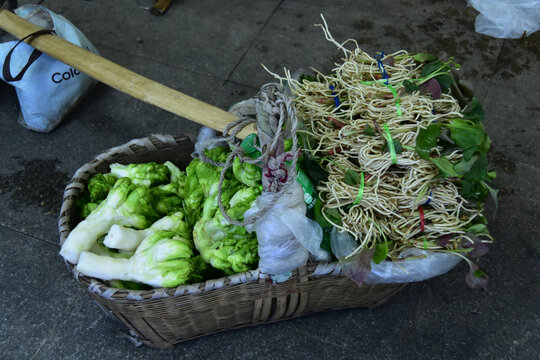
(401, 199)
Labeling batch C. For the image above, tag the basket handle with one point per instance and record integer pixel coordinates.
(120, 78)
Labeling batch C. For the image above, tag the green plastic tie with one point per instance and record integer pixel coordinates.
(398, 103)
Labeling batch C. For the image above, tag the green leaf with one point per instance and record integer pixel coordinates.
(445, 166)
(478, 228)
(318, 217)
(326, 240)
(410, 86)
(368, 130)
(464, 166)
(445, 80)
(476, 112)
(314, 170)
(494, 194)
(351, 177)
(334, 215)
(423, 57)
(397, 146)
(484, 148)
(431, 68)
(469, 137)
(380, 253)
(427, 140)
(478, 170)
(472, 191)
(479, 273)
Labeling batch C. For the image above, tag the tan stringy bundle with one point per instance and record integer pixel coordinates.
(401, 192)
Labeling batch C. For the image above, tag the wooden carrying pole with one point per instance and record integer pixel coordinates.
(120, 78)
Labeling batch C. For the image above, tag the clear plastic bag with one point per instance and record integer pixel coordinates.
(414, 264)
(286, 236)
(507, 19)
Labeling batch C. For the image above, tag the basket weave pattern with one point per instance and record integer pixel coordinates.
(164, 317)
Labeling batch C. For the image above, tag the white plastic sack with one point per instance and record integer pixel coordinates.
(286, 236)
(506, 19)
(48, 89)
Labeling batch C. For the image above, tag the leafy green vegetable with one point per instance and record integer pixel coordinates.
(351, 177)
(127, 239)
(96, 190)
(225, 246)
(333, 215)
(445, 166)
(381, 252)
(126, 204)
(185, 202)
(85, 208)
(427, 140)
(177, 180)
(163, 259)
(494, 193)
(99, 186)
(318, 217)
(410, 86)
(368, 130)
(440, 71)
(468, 136)
(397, 146)
(478, 171)
(478, 228)
(248, 174)
(424, 57)
(475, 113)
(146, 174)
(445, 81)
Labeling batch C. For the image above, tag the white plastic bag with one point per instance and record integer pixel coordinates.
(414, 264)
(47, 88)
(506, 19)
(286, 236)
(424, 265)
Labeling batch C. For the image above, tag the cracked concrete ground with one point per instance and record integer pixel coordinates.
(212, 50)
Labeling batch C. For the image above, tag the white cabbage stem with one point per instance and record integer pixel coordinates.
(104, 267)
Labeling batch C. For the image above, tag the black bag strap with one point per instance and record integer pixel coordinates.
(6, 73)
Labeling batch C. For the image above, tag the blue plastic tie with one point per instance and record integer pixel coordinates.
(381, 66)
(428, 198)
(336, 98)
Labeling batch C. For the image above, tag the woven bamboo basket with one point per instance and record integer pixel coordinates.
(164, 317)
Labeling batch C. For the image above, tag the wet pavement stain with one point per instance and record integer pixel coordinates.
(39, 183)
